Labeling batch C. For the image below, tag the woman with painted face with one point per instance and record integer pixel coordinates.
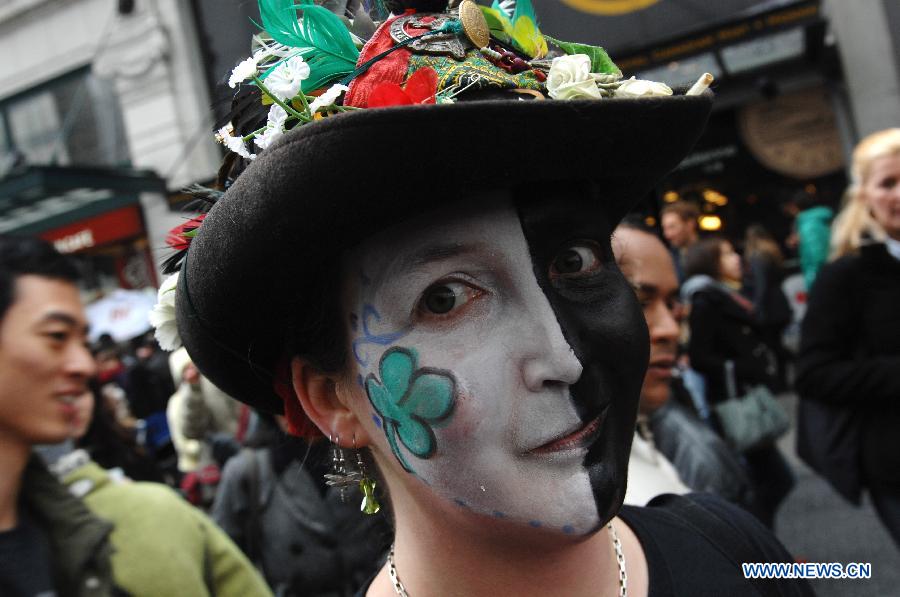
(727, 347)
(850, 348)
(457, 326)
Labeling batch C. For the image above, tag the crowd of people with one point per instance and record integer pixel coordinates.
(498, 383)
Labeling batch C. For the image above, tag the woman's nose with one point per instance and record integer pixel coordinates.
(550, 359)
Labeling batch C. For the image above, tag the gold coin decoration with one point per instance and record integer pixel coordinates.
(474, 24)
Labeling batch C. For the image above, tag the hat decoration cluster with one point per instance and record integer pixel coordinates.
(317, 60)
(310, 63)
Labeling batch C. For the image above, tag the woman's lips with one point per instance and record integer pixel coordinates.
(581, 438)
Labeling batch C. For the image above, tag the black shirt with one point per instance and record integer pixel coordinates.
(25, 565)
(683, 560)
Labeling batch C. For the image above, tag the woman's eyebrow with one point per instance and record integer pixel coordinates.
(437, 252)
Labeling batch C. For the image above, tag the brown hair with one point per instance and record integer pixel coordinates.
(702, 258)
(758, 241)
(685, 210)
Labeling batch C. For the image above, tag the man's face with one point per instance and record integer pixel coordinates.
(497, 355)
(44, 363)
(677, 231)
(648, 266)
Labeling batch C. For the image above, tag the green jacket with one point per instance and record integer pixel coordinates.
(814, 232)
(154, 543)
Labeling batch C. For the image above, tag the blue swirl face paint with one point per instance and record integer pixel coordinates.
(370, 315)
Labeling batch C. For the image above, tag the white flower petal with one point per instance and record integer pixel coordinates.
(235, 144)
(284, 82)
(162, 317)
(327, 98)
(570, 78)
(243, 71)
(642, 88)
(274, 127)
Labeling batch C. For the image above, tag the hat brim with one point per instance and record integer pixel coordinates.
(325, 186)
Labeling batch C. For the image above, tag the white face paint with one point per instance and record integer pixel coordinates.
(499, 347)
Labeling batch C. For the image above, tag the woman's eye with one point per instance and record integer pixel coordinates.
(576, 259)
(444, 297)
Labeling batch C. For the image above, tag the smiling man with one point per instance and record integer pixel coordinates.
(44, 366)
(131, 538)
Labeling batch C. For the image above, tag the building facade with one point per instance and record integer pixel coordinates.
(104, 109)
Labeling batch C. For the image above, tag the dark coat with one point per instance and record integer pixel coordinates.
(723, 329)
(306, 543)
(850, 356)
(79, 540)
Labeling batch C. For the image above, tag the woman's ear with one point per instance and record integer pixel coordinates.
(318, 393)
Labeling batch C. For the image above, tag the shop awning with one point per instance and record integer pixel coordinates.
(39, 199)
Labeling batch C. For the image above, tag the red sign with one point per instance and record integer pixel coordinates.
(96, 231)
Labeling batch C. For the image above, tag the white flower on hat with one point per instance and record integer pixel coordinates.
(235, 144)
(327, 98)
(570, 78)
(274, 127)
(243, 71)
(641, 88)
(284, 82)
(162, 317)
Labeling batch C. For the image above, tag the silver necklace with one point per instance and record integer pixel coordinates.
(617, 546)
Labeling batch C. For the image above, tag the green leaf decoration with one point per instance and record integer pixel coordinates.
(320, 37)
(410, 401)
(600, 60)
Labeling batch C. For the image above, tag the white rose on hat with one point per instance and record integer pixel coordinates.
(641, 88)
(570, 78)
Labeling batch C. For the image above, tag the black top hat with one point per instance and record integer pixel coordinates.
(264, 251)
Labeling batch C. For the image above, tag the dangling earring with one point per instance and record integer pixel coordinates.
(340, 476)
(370, 503)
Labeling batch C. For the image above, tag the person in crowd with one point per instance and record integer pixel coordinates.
(150, 382)
(199, 415)
(458, 323)
(813, 229)
(203, 422)
(850, 344)
(272, 502)
(119, 539)
(109, 443)
(666, 419)
(650, 473)
(679, 227)
(762, 285)
(727, 348)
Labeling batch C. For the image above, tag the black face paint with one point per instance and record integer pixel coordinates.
(602, 321)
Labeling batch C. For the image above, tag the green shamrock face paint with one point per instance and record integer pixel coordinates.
(410, 401)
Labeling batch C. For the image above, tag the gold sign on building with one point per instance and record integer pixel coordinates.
(794, 134)
(609, 7)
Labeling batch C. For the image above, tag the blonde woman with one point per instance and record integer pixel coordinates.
(847, 370)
